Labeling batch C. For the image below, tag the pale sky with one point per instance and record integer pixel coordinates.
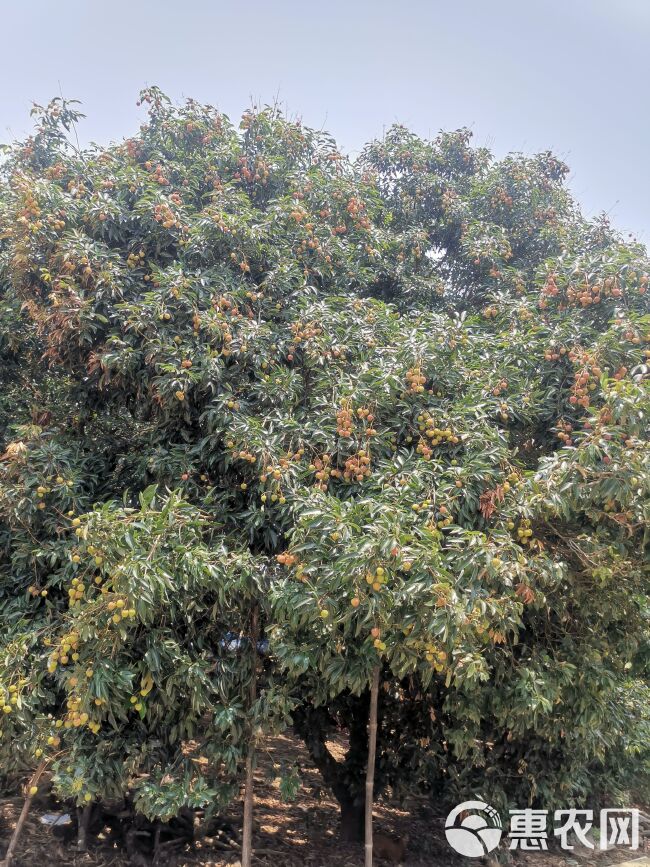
(524, 75)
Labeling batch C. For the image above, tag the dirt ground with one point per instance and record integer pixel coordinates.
(298, 834)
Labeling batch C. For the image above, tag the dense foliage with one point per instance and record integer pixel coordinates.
(397, 406)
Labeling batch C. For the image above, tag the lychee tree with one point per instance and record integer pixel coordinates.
(392, 410)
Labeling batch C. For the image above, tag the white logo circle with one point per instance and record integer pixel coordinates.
(473, 829)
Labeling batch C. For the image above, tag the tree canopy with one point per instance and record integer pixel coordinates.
(396, 405)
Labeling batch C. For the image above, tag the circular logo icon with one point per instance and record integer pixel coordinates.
(473, 829)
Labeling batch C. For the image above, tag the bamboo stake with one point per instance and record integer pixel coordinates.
(370, 770)
(247, 830)
(13, 843)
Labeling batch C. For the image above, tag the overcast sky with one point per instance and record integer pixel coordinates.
(524, 75)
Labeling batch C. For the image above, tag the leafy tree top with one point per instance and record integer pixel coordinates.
(401, 402)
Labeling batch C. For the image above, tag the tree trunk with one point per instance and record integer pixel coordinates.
(247, 830)
(83, 820)
(344, 778)
(352, 813)
(370, 771)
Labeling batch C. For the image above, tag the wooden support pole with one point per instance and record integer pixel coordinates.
(13, 843)
(370, 770)
(247, 830)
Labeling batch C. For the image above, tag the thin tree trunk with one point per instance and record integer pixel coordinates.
(352, 816)
(247, 830)
(22, 818)
(370, 771)
(346, 779)
(83, 820)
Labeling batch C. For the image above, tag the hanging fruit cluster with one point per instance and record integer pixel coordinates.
(257, 171)
(587, 293)
(273, 476)
(591, 291)
(550, 288)
(442, 518)
(364, 414)
(311, 243)
(525, 534)
(344, 421)
(585, 380)
(157, 171)
(415, 380)
(301, 332)
(504, 414)
(67, 650)
(564, 432)
(357, 467)
(134, 260)
(287, 559)
(377, 579)
(424, 449)
(323, 469)
(76, 592)
(435, 435)
(10, 696)
(244, 455)
(164, 215)
(118, 609)
(501, 197)
(555, 353)
(346, 418)
(75, 718)
(436, 656)
(30, 208)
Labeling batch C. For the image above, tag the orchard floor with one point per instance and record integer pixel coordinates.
(298, 834)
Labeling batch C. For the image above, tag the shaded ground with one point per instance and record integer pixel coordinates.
(298, 834)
